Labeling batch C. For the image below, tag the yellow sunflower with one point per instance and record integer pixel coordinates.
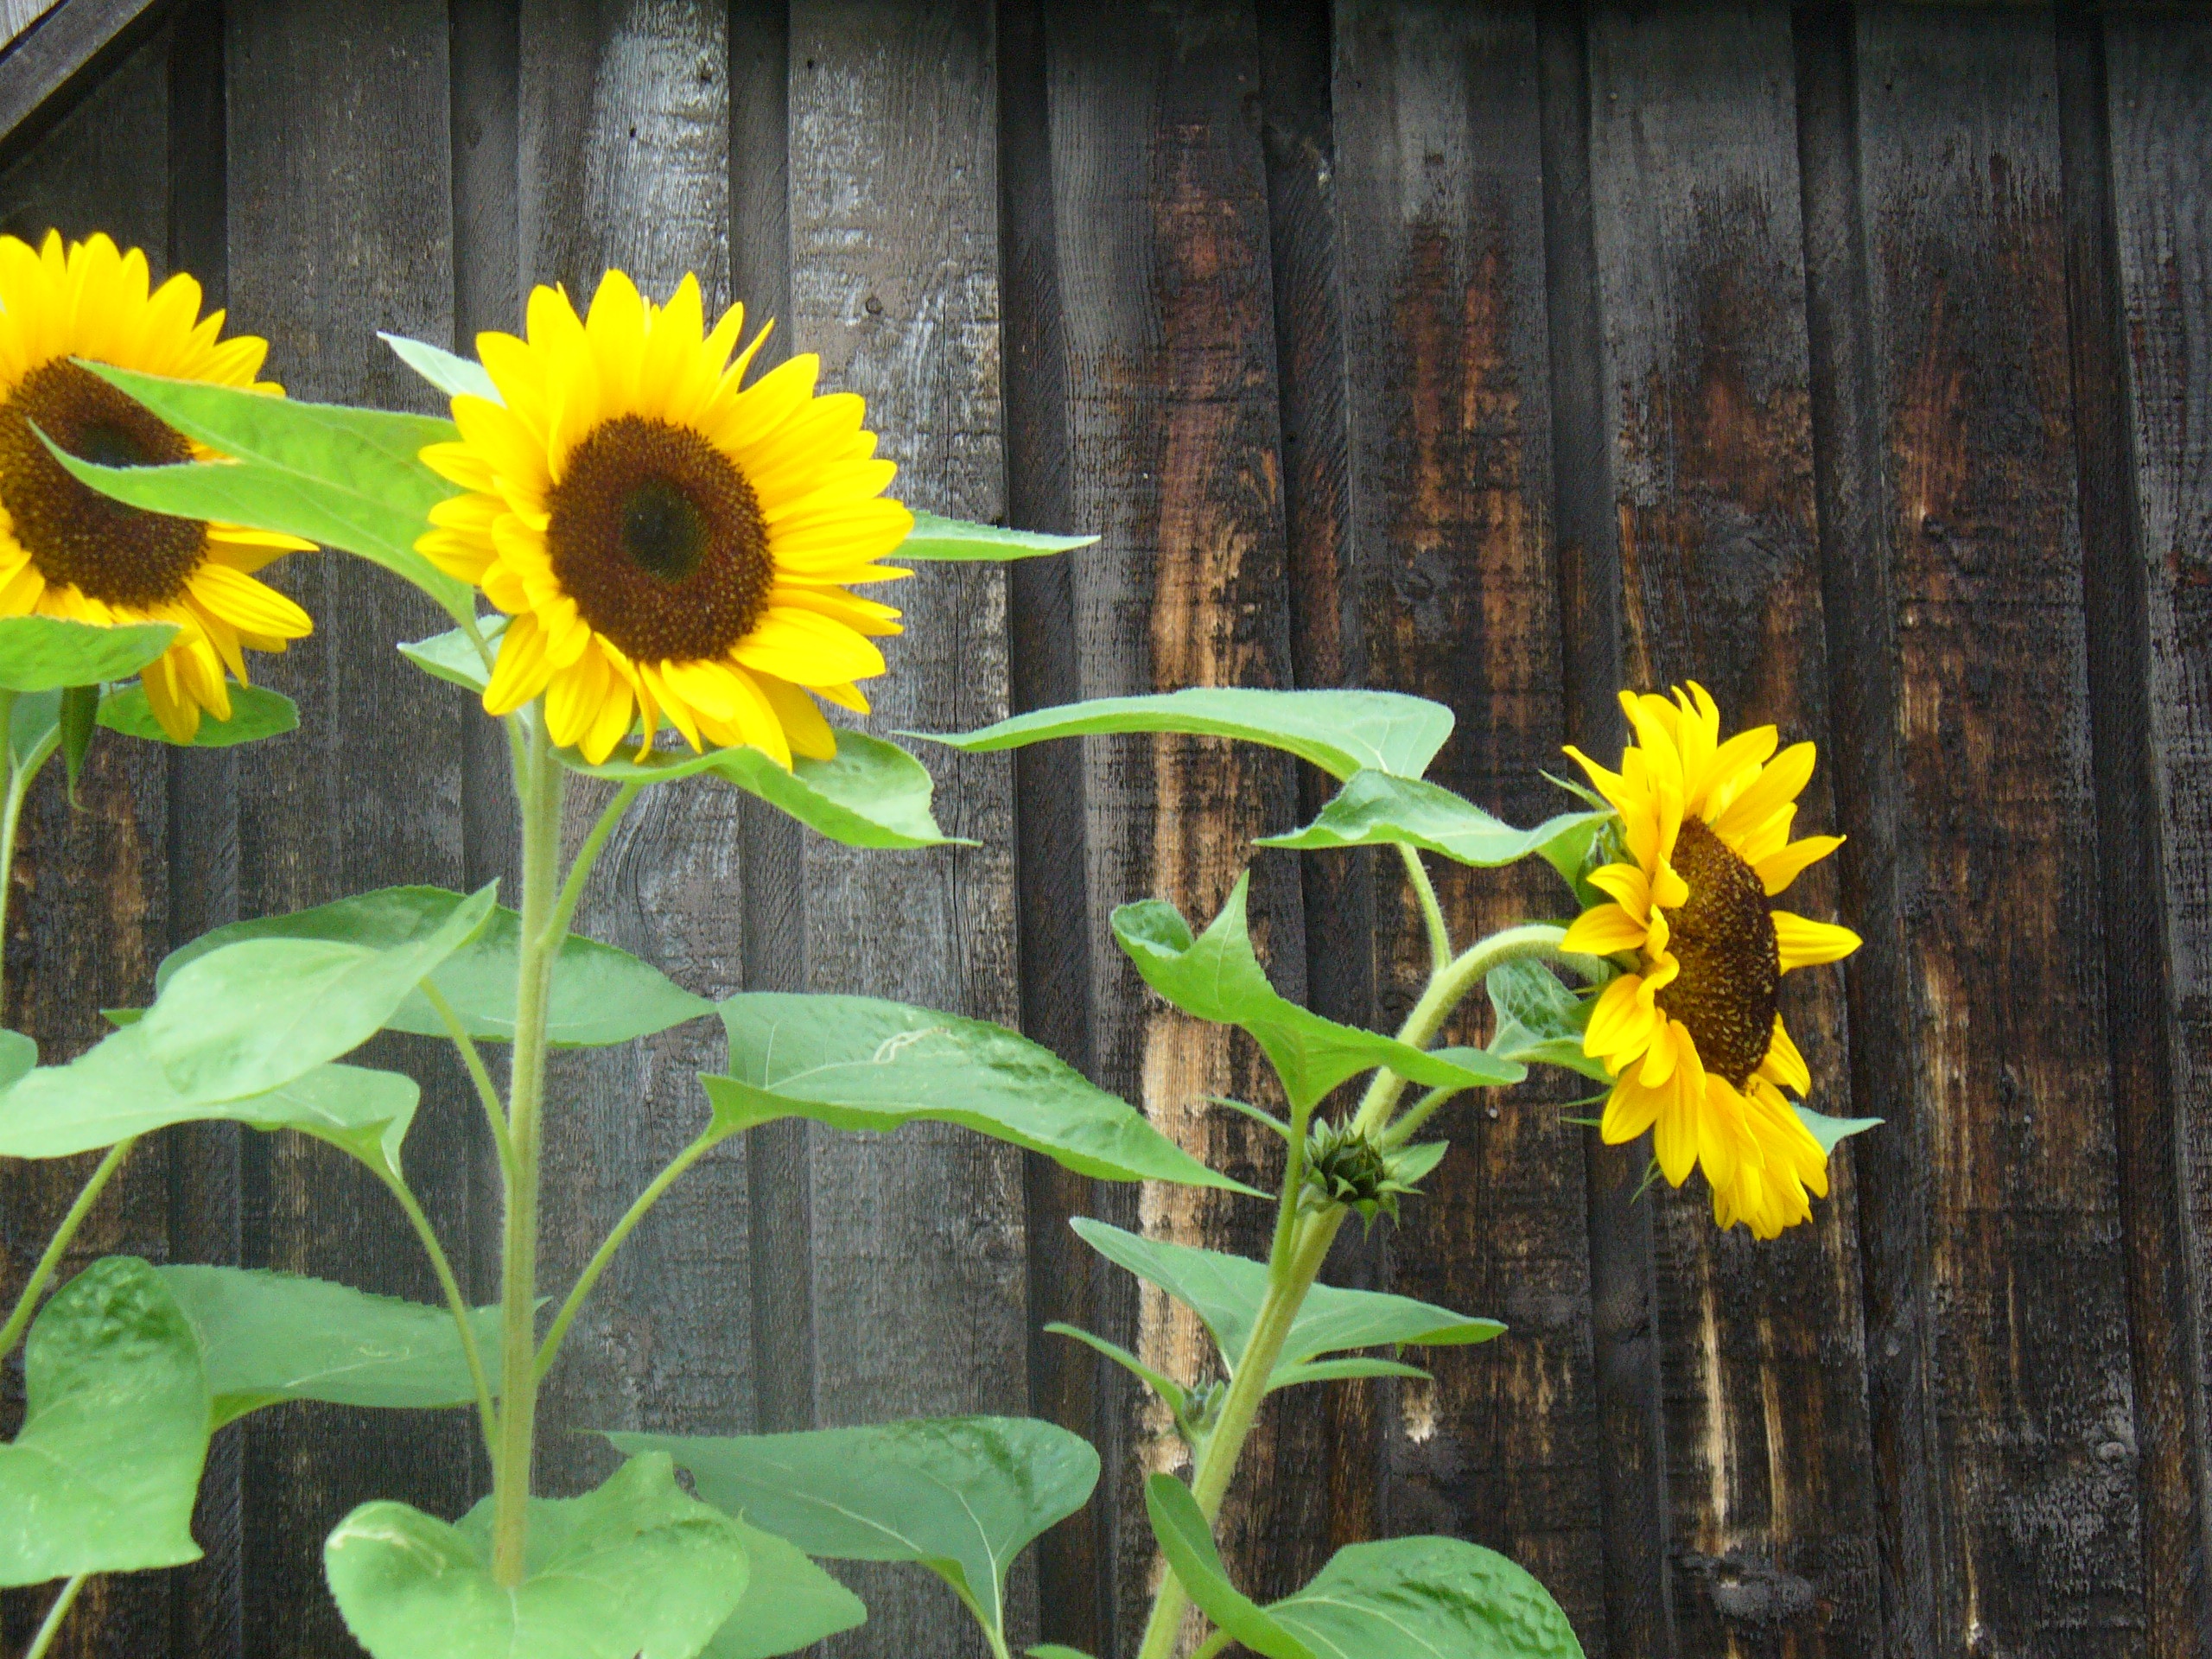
(1690, 1033)
(68, 552)
(668, 541)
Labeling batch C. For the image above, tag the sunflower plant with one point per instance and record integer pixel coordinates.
(649, 555)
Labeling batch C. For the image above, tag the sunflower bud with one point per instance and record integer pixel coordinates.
(1344, 1167)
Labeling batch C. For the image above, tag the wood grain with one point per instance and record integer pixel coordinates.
(1442, 232)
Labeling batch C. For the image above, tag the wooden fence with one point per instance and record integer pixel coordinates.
(1856, 363)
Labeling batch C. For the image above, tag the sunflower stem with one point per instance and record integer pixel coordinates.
(21, 776)
(1440, 931)
(538, 787)
(58, 1246)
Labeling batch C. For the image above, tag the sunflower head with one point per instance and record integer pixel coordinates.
(670, 542)
(68, 552)
(1691, 1032)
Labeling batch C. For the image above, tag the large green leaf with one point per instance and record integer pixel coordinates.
(859, 1063)
(266, 1336)
(1340, 731)
(47, 653)
(1225, 1291)
(955, 540)
(347, 478)
(1401, 1598)
(255, 713)
(1539, 1020)
(103, 1476)
(1217, 977)
(116, 1089)
(600, 994)
(1833, 1132)
(636, 1570)
(1375, 809)
(252, 1015)
(961, 1495)
(789, 1603)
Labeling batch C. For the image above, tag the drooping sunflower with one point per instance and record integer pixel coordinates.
(66, 551)
(1691, 1034)
(667, 541)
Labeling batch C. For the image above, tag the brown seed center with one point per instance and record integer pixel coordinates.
(657, 537)
(1723, 937)
(77, 536)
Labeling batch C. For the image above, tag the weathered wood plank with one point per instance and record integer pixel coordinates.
(1440, 191)
(2140, 192)
(625, 136)
(894, 283)
(88, 911)
(1159, 199)
(1700, 251)
(1998, 1342)
(339, 210)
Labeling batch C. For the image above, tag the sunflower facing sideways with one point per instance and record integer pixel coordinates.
(667, 542)
(1691, 1034)
(68, 552)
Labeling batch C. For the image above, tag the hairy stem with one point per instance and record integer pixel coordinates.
(58, 1246)
(1431, 911)
(572, 891)
(487, 1092)
(54, 1615)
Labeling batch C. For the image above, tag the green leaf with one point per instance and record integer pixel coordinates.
(255, 713)
(1187, 1543)
(636, 1570)
(80, 703)
(1540, 1021)
(103, 1476)
(33, 723)
(454, 376)
(1340, 731)
(1177, 1396)
(117, 1089)
(1226, 1291)
(789, 1603)
(47, 653)
(1831, 1132)
(957, 540)
(1055, 1650)
(599, 995)
(1340, 1370)
(266, 1336)
(18, 1054)
(251, 1015)
(452, 656)
(872, 794)
(1420, 1597)
(858, 1063)
(1217, 977)
(1375, 809)
(961, 1495)
(346, 478)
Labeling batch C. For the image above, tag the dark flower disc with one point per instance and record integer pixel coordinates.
(1724, 939)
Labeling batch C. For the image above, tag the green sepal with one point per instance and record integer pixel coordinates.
(1216, 976)
(255, 713)
(957, 541)
(453, 657)
(1831, 1132)
(1539, 1020)
(52, 653)
(454, 376)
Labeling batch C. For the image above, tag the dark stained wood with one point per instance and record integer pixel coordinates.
(625, 163)
(1441, 190)
(88, 915)
(1999, 1380)
(2138, 105)
(894, 283)
(1160, 206)
(1700, 252)
(74, 45)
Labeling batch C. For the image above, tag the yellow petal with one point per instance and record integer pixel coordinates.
(1777, 870)
(1807, 943)
(1784, 1064)
(1601, 930)
(522, 671)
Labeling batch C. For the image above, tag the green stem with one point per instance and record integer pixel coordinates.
(1439, 932)
(572, 891)
(54, 1615)
(487, 1092)
(691, 1154)
(538, 786)
(58, 1246)
(456, 1301)
(1213, 1645)
(21, 776)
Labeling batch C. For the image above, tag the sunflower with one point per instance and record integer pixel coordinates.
(668, 541)
(68, 552)
(1691, 1034)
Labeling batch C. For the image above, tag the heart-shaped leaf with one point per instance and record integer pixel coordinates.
(454, 376)
(636, 1570)
(1833, 1132)
(266, 1336)
(789, 1603)
(252, 1015)
(1375, 809)
(1540, 1021)
(1217, 977)
(859, 1063)
(47, 653)
(1423, 1598)
(255, 713)
(102, 1478)
(1226, 1291)
(1340, 731)
(961, 1495)
(955, 540)
(346, 478)
(600, 994)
